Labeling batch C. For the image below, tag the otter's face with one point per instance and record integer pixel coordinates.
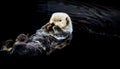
(59, 19)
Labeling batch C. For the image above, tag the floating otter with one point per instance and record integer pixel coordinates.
(56, 34)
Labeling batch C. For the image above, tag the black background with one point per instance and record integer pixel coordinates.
(23, 17)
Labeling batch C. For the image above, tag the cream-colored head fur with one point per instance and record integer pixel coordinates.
(62, 20)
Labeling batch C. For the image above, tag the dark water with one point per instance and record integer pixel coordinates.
(28, 16)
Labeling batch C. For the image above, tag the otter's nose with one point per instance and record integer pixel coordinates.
(52, 24)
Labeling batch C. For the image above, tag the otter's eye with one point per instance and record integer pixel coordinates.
(59, 20)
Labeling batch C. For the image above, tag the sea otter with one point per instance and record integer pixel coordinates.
(56, 34)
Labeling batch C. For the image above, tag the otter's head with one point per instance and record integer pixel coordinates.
(62, 20)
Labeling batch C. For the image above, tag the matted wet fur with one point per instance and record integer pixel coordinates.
(54, 35)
